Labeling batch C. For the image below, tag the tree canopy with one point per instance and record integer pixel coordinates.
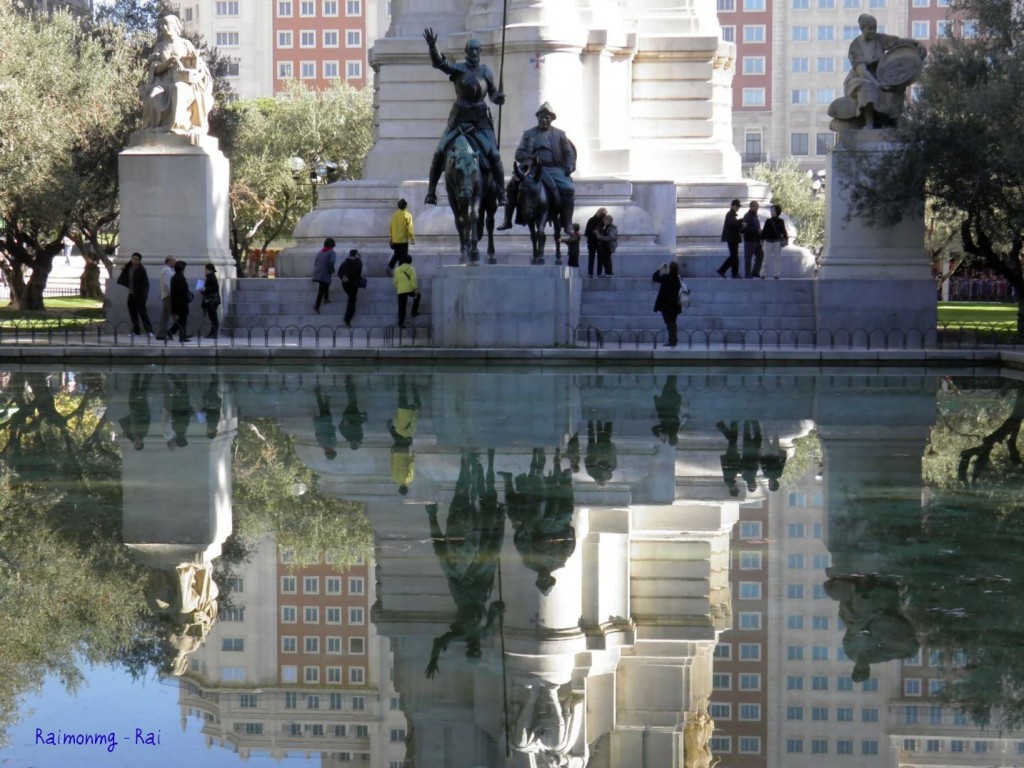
(792, 190)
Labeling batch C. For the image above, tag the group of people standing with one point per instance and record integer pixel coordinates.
(761, 243)
(175, 298)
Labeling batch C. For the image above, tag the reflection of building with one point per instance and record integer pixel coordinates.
(294, 666)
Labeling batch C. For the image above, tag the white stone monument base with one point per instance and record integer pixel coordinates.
(505, 306)
(858, 307)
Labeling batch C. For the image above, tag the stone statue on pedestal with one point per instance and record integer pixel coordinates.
(883, 67)
(548, 725)
(178, 94)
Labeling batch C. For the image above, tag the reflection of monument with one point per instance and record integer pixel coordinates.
(173, 178)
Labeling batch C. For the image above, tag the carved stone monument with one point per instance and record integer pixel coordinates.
(173, 177)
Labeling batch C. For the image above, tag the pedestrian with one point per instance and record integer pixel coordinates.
(732, 234)
(181, 296)
(165, 296)
(401, 235)
(573, 245)
(669, 286)
(607, 244)
(594, 223)
(406, 287)
(775, 239)
(753, 254)
(134, 277)
(66, 245)
(323, 273)
(211, 300)
(351, 274)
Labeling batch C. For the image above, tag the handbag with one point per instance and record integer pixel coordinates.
(362, 282)
(683, 296)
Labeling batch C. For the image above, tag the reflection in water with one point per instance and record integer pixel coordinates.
(637, 613)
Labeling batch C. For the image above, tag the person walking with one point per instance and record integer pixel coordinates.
(181, 296)
(211, 300)
(134, 277)
(667, 302)
(593, 226)
(607, 244)
(323, 273)
(401, 235)
(775, 239)
(66, 245)
(351, 274)
(732, 234)
(573, 246)
(165, 296)
(753, 254)
(406, 286)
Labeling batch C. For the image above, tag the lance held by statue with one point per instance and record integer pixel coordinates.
(469, 116)
(551, 149)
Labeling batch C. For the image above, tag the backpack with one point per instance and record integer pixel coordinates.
(683, 296)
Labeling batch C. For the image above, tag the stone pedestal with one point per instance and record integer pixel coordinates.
(872, 277)
(510, 307)
(174, 202)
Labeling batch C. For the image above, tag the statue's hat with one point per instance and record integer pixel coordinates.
(545, 109)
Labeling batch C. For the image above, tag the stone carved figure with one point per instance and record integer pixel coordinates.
(186, 599)
(883, 66)
(178, 94)
(697, 739)
(548, 724)
(469, 116)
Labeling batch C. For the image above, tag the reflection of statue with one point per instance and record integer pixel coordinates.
(541, 510)
(697, 739)
(187, 599)
(469, 115)
(876, 629)
(178, 94)
(548, 725)
(468, 552)
(875, 88)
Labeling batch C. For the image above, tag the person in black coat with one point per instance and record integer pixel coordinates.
(135, 278)
(351, 274)
(667, 277)
(211, 300)
(181, 296)
(594, 225)
(732, 235)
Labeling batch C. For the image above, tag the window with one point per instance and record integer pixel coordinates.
(356, 675)
(753, 5)
(824, 95)
(801, 5)
(723, 651)
(232, 674)
(729, 36)
(307, 8)
(721, 681)
(227, 39)
(969, 29)
(826, 64)
(334, 644)
(844, 714)
(798, 144)
(819, 653)
(753, 33)
(333, 583)
(844, 747)
(794, 745)
(284, 70)
(361, 731)
(818, 592)
(312, 644)
(235, 613)
(291, 700)
(819, 622)
(311, 615)
(726, 6)
(843, 683)
(353, 39)
(334, 702)
(232, 644)
(753, 65)
(819, 714)
(819, 746)
(355, 616)
(794, 713)
(334, 675)
(721, 711)
(307, 39)
(289, 614)
(877, 4)
(750, 561)
(794, 683)
(869, 715)
(871, 685)
(912, 686)
(819, 683)
(934, 715)
(334, 615)
(826, 5)
(919, 30)
(794, 622)
(750, 681)
(826, 32)
(750, 529)
(753, 97)
(801, 34)
(284, 8)
(943, 29)
(850, 32)
(188, 14)
(851, 4)
(284, 40)
(750, 619)
(956, 745)
(933, 745)
(358, 703)
(800, 96)
(794, 591)
(750, 590)
(935, 687)
(353, 69)
(289, 644)
(289, 674)
(824, 142)
(795, 530)
(312, 702)
(356, 646)
(750, 745)
(721, 744)
(248, 701)
(794, 653)
(397, 735)
(869, 747)
(311, 674)
(800, 65)
(226, 8)
(821, 562)
(330, 8)
(795, 562)
(354, 8)
(752, 150)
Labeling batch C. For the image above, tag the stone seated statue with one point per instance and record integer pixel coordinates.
(178, 94)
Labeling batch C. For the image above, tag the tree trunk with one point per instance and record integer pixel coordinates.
(32, 298)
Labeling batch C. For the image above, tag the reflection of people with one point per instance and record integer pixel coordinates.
(551, 149)
(181, 297)
(323, 426)
(468, 552)
(600, 458)
(178, 410)
(773, 462)
(212, 405)
(750, 456)
(403, 428)
(352, 419)
(668, 406)
(876, 629)
(135, 426)
(541, 510)
(731, 465)
(469, 115)
(178, 94)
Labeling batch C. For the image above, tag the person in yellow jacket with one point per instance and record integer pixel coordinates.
(406, 286)
(403, 428)
(401, 234)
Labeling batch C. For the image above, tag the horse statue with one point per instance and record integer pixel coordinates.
(472, 197)
(536, 207)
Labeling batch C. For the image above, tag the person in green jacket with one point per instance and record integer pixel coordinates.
(406, 287)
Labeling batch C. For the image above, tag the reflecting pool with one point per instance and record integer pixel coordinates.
(505, 568)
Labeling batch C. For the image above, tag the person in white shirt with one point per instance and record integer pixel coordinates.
(165, 295)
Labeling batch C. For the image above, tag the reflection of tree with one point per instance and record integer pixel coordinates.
(1006, 434)
(274, 492)
(468, 552)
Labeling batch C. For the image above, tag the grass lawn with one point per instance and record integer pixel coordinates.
(65, 312)
(982, 315)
